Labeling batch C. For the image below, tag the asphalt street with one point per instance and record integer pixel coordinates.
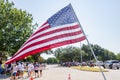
(55, 72)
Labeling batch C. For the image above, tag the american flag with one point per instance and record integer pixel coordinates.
(61, 29)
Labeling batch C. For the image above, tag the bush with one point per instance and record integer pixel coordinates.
(52, 61)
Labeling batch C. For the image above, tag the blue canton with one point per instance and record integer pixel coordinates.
(64, 16)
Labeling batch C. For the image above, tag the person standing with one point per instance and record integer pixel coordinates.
(41, 69)
(14, 72)
(36, 68)
(1, 66)
(30, 69)
(21, 69)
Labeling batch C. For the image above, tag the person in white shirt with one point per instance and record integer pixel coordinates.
(14, 72)
(21, 69)
(30, 69)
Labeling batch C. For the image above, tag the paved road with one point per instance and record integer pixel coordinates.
(54, 72)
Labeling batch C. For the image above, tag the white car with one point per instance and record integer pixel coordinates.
(112, 64)
(116, 66)
(99, 63)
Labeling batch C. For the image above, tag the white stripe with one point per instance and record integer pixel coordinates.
(73, 24)
(43, 26)
(32, 36)
(36, 31)
(46, 44)
(53, 28)
(48, 30)
(50, 35)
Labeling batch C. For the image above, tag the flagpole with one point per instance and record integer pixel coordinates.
(88, 43)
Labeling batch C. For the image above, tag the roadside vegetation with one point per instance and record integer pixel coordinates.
(87, 68)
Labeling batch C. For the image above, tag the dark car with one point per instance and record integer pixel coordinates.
(91, 64)
(112, 64)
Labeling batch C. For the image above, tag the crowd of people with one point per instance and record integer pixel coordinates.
(19, 69)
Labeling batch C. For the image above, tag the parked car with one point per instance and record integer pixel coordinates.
(83, 64)
(68, 64)
(112, 64)
(99, 63)
(91, 64)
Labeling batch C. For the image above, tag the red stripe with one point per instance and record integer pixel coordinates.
(45, 28)
(41, 29)
(48, 47)
(52, 38)
(55, 31)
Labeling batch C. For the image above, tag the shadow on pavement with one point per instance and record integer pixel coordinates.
(3, 76)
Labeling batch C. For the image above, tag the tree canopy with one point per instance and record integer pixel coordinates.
(101, 53)
(68, 54)
(84, 54)
(15, 27)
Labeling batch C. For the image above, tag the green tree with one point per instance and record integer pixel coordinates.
(29, 59)
(118, 56)
(112, 55)
(15, 27)
(88, 54)
(101, 53)
(58, 53)
(69, 54)
(2, 55)
(41, 59)
(52, 60)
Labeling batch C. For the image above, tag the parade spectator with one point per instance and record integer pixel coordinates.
(41, 69)
(36, 68)
(21, 69)
(14, 72)
(9, 68)
(30, 69)
(1, 69)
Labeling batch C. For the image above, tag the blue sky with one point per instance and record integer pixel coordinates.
(100, 19)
